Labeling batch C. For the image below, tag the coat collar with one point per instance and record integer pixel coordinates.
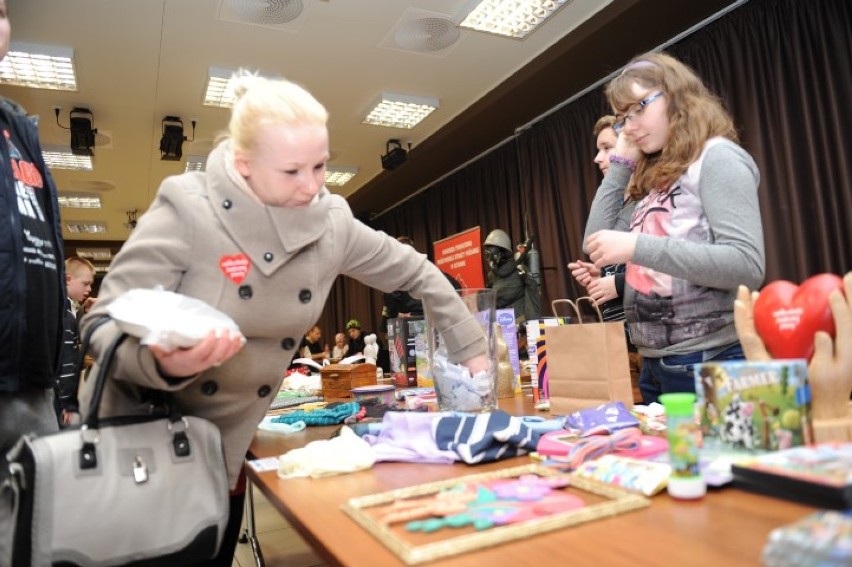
(257, 229)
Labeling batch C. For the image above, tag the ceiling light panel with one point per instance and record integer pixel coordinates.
(79, 201)
(94, 253)
(220, 90)
(511, 18)
(62, 158)
(39, 67)
(336, 176)
(86, 227)
(400, 111)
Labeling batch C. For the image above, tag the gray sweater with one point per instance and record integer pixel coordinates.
(696, 243)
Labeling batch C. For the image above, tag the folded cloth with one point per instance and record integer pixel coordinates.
(486, 437)
(605, 418)
(406, 436)
(326, 416)
(342, 454)
(538, 423)
(267, 424)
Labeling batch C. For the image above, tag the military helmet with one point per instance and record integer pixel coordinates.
(498, 238)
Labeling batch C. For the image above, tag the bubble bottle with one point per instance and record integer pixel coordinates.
(683, 434)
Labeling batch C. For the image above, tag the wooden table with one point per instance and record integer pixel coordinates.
(728, 527)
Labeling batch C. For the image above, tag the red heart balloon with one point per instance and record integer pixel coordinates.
(788, 316)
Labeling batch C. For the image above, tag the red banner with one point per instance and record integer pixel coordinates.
(460, 256)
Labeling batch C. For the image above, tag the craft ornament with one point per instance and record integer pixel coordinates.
(496, 503)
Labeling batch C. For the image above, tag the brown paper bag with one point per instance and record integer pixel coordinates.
(587, 363)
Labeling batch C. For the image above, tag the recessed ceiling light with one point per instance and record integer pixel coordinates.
(94, 253)
(510, 18)
(86, 227)
(79, 201)
(399, 110)
(39, 67)
(196, 163)
(219, 91)
(62, 158)
(337, 175)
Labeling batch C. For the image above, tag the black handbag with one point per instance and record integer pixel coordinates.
(133, 490)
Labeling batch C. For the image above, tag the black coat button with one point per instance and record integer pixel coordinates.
(246, 292)
(263, 391)
(305, 295)
(268, 256)
(226, 204)
(288, 343)
(209, 388)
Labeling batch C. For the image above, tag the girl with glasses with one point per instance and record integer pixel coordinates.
(695, 233)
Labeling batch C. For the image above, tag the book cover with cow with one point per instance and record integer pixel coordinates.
(754, 405)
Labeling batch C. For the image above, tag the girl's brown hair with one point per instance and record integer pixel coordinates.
(695, 115)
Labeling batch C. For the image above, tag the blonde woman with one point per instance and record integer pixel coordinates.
(257, 236)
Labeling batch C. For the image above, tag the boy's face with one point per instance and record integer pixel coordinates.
(80, 284)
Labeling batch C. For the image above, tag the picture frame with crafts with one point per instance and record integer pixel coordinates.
(441, 519)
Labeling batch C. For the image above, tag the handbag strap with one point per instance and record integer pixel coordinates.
(104, 364)
(88, 453)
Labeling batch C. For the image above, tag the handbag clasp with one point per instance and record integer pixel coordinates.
(140, 471)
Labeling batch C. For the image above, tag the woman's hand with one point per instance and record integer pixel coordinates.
(603, 290)
(211, 351)
(583, 272)
(608, 247)
(476, 364)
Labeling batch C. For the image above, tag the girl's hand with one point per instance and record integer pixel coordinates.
(583, 272)
(211, 351)
(608, 247)
(603, 290)
(625, 147)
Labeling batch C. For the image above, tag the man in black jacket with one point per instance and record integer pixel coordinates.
(32, 288)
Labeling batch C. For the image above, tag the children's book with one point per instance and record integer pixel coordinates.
(820, 475)
(761, 406)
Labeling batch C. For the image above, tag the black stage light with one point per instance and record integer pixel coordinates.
(171, 144)
(82, 134)
(395, 155)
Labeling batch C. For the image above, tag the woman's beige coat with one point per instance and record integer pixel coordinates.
(201, 232)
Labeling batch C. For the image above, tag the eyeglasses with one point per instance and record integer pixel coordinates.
(640, 108)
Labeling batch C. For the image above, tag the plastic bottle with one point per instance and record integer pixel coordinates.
(685, 481)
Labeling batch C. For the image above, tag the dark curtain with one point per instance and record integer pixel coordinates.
(486, 194)
(784, 70)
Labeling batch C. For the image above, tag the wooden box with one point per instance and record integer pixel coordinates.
(339, 379)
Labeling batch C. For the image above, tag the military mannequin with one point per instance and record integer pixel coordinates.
(509, 277)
